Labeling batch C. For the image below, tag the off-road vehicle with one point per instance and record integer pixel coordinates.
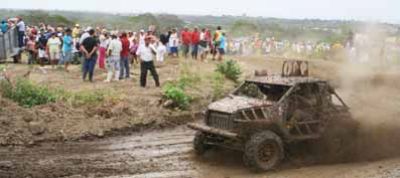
(268, 112)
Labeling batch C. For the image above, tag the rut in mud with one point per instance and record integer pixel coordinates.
(151, 155)
(165, 153)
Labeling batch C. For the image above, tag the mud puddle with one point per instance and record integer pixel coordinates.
(161, 153)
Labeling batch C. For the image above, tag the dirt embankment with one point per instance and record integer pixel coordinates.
(126, 108)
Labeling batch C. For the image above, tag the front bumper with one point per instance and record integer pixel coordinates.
(214, 131)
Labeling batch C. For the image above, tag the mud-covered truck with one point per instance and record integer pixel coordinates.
(268, 112)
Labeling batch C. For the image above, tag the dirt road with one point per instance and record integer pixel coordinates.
(165, 153)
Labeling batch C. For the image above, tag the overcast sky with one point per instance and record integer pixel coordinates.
(375, 10)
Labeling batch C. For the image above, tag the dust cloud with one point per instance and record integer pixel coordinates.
(368, 82)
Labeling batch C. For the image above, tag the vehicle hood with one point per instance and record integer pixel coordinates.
(234, 103)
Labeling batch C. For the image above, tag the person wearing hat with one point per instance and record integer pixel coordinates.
(113, 58)
(146, 54)
(53, 49)
(89, 48)
(68, 44)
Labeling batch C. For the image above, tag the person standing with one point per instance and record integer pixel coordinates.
(146, 54)
(68, 44)
(203, 44)
(124, 57)
(53, 49)
(21, 32)
(195, 42)
(222, 46)
(142, 37)
(173, 43)
(216, 41)
(104, 41)
(31, 47)
(42, 46)
(186, 38)
(89, 47)
(113, 58)
(4, 26)
(133, 49)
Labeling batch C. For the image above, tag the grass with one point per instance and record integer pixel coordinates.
(28, 94)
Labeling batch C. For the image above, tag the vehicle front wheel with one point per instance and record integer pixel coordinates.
(264, 151)
(199, 143)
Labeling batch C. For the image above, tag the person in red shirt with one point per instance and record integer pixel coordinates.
(124, 63)
(195, 42)
(186, 38)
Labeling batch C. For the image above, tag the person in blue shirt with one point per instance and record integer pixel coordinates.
(68, 44)
(4, 26)
(222, 46)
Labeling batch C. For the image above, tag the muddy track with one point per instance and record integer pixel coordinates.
(165, 153)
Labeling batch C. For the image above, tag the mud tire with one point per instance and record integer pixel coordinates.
(255, 151)
(199, 143)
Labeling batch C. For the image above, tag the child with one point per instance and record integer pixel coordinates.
(31, 47)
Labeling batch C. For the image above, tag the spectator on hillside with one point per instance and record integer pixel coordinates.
(222, 46)
(203, 44)
(195, 40)
(31, 47)
(42, 45)
(173, 43)
(89, 49)
(21, 32)
(133, 49)
(113, 58)
(4, 26)
(216, 41)
(146, 54)
(68, 44)
(186, 38)
(104, 42)
(53, 49)
(125, 73)
(142, 37)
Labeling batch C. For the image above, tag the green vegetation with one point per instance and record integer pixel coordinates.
(175, 92)
(230, 69)
(218, 81)
(28, 94)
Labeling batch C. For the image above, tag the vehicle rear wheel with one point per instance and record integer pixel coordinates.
(199, 143)
(263, 151)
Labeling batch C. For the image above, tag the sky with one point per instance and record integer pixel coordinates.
(367, 10)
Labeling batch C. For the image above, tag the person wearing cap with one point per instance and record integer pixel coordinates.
(113, 58)
(68, 44)
(125, 73)
(89, 49)
(53, 49)
(146, 54)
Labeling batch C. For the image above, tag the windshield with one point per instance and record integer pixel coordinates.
(262, 91)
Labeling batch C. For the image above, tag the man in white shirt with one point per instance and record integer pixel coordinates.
(146, 54)
(21, 32)
(113, 57)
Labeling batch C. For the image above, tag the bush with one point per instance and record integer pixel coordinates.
(27, 94)
(176, 93)
(81, 98)
(230, 69)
